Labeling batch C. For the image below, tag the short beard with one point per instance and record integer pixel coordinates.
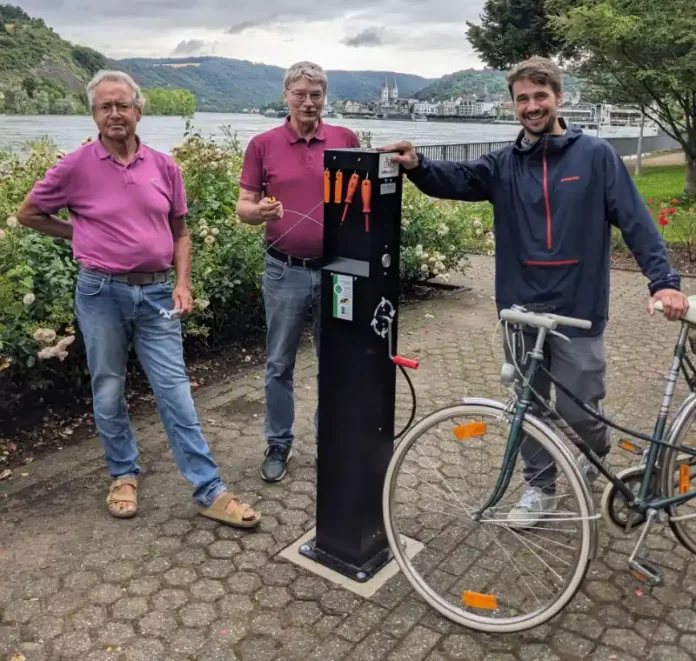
(547, 128)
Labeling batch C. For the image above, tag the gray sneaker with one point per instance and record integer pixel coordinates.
(588, 469)
(275, 465)
(532, 507)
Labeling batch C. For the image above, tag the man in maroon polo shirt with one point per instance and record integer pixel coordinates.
(282, 185)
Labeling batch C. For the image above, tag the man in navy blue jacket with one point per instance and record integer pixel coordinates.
(556, 193)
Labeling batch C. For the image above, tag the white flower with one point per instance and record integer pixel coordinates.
(215, 231)
(476, 223)
(47, 352)
(44, 335)
(443, 230)
(432, 260)
(490, 253)
(479, 232)
(28, 299)
(65, 342)
(12, 221)
(439, 266)
(62, 355)
(204, 233)
(201, 303)
(425, 269)
(491, 235)
(210, 239)
(419, 250)
(405, 222)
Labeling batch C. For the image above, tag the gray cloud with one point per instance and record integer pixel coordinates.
(243, 26)
(371, 36)
(190, 47)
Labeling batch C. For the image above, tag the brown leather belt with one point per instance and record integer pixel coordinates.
(131, 278)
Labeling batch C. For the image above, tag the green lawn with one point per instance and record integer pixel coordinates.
(661, 183)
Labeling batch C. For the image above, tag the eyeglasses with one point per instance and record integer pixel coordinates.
(301, 96)
(107, 108)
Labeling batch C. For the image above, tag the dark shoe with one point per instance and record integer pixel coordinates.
(275, 465)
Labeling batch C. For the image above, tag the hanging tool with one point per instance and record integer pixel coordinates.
(366, 194)
(327, 186)
(352, 186)
(338, 190)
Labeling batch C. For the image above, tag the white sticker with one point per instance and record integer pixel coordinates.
(386, 189)
(387, 167)
(343, 297)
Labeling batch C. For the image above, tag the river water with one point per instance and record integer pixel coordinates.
(163, 132)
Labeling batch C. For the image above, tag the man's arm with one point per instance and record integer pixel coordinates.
(627, 211)
(253, 210)
(469, 181)
(182, 265)
(31, 216)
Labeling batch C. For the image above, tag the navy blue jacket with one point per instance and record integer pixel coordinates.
(554, 204)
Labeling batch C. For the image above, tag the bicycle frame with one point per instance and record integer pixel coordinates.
(640, 502)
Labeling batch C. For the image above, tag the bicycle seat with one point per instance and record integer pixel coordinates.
(690, 317)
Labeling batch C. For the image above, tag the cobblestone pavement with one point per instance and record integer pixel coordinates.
(171, 585)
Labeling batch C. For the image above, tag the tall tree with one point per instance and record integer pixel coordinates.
(643, 53)
(513, 30)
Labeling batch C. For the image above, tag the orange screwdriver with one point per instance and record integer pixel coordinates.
(366, 193)
(352, 185)
(327, 186)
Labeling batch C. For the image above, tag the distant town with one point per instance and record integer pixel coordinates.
(472, 108)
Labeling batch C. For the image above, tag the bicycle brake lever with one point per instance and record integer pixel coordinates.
(557, 334)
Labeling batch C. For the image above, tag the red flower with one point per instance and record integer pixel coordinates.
(663, 221)
(675, 201)
(671, 210)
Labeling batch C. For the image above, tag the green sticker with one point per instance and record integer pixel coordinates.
(343, 297)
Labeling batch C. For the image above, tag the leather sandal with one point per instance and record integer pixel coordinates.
(123, 490)
(227, 509)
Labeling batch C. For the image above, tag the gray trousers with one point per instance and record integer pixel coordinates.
(580, 365)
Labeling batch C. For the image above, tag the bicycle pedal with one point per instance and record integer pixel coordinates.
(630, 447)
(646, 572)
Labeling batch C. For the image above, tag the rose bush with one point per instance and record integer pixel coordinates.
(40, 345)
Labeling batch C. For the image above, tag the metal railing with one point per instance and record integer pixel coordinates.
(473, 150)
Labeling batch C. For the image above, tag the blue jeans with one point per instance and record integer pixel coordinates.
(111, 315)
(290, 293)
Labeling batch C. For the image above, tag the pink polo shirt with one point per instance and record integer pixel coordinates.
(291, 169)
(120, 214)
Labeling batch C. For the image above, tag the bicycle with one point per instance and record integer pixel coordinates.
(477, 572)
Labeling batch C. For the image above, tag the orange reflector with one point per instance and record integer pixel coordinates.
(684, 478)
(476, 600)
(626, 445)
(468, 430)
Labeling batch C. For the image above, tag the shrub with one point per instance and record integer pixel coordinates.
(37, 273)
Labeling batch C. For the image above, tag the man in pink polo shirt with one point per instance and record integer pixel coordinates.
(128, 208)
(282, 185)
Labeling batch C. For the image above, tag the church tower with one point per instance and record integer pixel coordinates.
(395, 91)
(385, 91)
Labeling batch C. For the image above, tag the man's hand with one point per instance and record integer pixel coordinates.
(406, 155)
(270, 209)
(675, 304)
(183, 299)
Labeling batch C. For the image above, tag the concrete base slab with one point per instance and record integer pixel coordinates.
(366, 589)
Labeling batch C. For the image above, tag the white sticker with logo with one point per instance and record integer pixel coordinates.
(387, 167)
(386, 189)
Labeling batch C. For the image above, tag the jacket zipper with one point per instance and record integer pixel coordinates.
(549, 243)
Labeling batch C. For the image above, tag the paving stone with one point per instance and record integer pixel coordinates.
(308, 587)
(169, 600)
(332, 649)
(603, 653)
(41, 587)
(118, 572)
(131, 608)
(664, 634)
(176, 527)
(72, 644)
(565, 642)
(272, 597)
(89, 617)
(116, 634)
(197, 615)
(416, 645)
(298, 643)
(278, 574)
(683, 620)
(180, 576)
(45, 628)
(235, 604)
(200, 538)
(339, 602)
(668, 653)
(361, 622)
(267, 624)
(216, 568)
(106, 594)
(166, 545)
(157, 624)
(462, 646)
(223, 549)
(257, 542)
(228, 631)
(624, 639)
(374, 648)
(157, 566)
(302, 613)
(258, 648)
(250, 560)
(64, 603)
(21, 611)
(207, 590)
(191, 557)
(404, 618)
(243, 582)
(601, 591)
(187, 642)
(145, 649)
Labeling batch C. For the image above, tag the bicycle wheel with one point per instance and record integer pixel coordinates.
(490, 575)
(678, 474)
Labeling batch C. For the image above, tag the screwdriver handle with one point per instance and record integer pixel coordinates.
(338, 187)
(327, 186)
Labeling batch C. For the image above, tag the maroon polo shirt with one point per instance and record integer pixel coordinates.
(291, 169)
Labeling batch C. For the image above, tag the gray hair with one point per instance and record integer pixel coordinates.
(312, 72)
(115, 77)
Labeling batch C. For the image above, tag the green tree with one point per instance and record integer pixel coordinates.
(29, 84)
(160, 101)
(513, 30)
(643, 53)
(43, 103)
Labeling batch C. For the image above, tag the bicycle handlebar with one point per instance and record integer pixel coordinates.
(548, 321)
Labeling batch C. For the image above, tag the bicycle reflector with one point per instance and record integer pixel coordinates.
(684, 478)
(469, 430)
(477, 600)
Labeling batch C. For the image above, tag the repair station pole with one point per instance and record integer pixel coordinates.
(357, 375)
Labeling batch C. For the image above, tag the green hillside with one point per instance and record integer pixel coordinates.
(39, 71)
(222, 84)
(473, 81)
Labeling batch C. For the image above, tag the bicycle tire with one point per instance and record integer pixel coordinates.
(565, 462)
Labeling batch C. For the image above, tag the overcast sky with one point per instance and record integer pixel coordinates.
(426, 37)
